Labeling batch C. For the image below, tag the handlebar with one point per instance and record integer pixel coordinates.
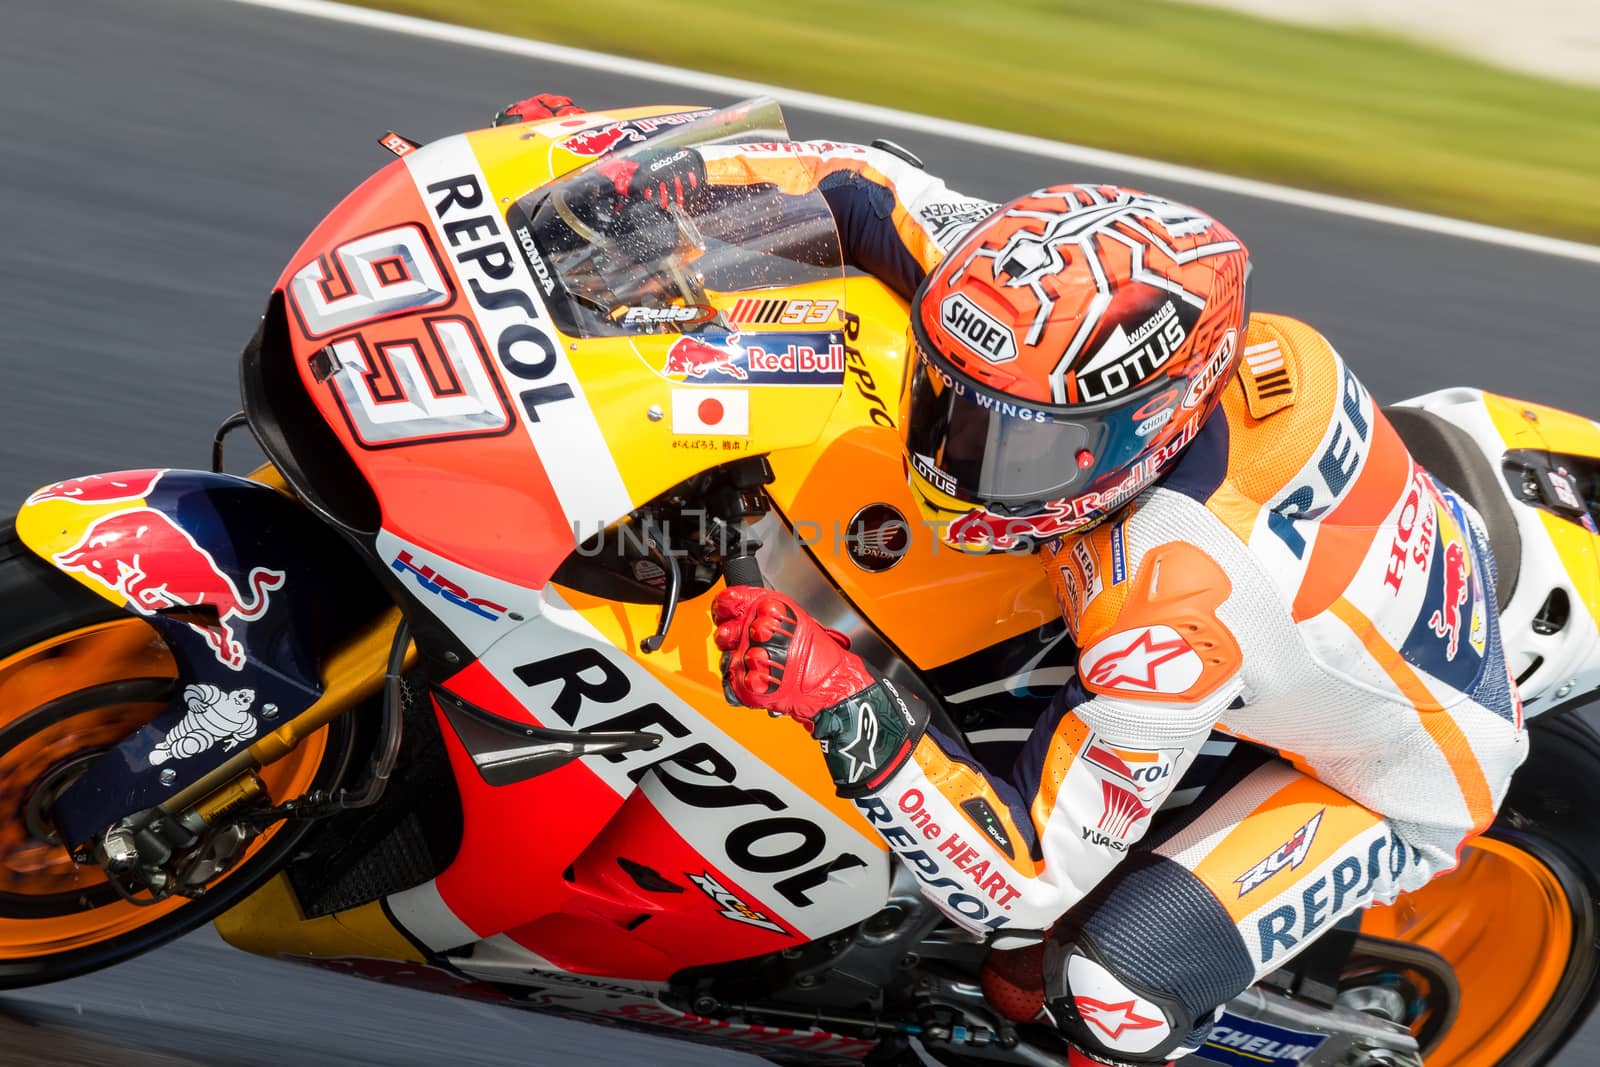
(743, 570)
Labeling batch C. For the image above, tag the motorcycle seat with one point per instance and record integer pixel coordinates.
(1449, 454)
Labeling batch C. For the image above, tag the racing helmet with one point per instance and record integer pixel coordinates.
(1062, 357)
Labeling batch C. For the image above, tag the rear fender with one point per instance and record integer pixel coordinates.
(241, 583)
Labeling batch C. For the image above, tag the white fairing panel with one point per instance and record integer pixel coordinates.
(857, 881)
(1556, 667)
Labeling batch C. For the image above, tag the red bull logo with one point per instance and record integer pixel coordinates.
(1446, 621)
(158, 566)
(801, 360)
(983, 530)
(599, 141)
(603, 139)
(693, 358)
(101, 488)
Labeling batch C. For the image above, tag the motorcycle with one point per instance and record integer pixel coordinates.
(431, 698)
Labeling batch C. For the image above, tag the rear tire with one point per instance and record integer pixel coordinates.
(1550, 812)
(75, 671)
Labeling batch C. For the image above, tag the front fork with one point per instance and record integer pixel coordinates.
(183, 843)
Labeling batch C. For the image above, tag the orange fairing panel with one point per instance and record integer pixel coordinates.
(487, 435)
(390, 346)
(847, 499)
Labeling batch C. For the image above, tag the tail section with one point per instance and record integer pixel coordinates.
(1533, 474)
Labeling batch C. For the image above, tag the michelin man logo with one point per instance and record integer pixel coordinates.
(214, 715)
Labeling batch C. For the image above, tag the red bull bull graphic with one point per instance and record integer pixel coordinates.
(158, 566)
(602, 139)
(599, 141)
(981, 530)
(1446, 620)
(101, 488)
(759, 359)
(697, 360)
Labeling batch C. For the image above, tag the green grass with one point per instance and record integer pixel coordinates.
(1354, 113)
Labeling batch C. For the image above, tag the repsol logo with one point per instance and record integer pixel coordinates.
(977, 329)
(957, 876)
(855, 365)
(525, 346)
(767, 838)
(1349, 435)
(1352, 882)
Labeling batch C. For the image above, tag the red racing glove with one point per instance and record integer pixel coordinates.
(538, 106)
(778, 658)
(669, 176)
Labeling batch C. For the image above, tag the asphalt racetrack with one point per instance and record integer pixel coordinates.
(160, 163)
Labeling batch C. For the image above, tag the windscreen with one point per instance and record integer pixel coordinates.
(674, 235)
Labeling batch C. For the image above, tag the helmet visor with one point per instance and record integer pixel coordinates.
(992, 450)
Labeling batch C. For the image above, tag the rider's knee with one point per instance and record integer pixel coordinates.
(1136, 975)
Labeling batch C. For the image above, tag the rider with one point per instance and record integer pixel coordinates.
(1238, 540)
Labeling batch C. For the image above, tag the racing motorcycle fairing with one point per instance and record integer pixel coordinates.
(721, 841)
(426, 330)
(246, 589)
(1543, 465)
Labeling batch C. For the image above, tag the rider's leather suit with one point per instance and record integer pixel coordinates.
(1296, 582)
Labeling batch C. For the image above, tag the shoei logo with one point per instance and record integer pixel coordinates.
(1221, 360)
(977, 329)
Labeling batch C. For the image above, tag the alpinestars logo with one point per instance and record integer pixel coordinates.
(732, 907)
(1152, 659)
(1291, 854)
(858, 753)
(1112, 1019)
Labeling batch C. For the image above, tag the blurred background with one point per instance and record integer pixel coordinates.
(1450, 106)
(163, 160)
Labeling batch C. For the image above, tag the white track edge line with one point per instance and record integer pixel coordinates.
(961, 131)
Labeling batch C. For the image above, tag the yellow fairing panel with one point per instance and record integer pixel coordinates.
(1524, 425)
(636, 412)
(937, 604)
(52, 527)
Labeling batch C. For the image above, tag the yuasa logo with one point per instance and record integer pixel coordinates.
(977, 329)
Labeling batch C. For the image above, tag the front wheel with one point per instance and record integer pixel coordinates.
(77, 675)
